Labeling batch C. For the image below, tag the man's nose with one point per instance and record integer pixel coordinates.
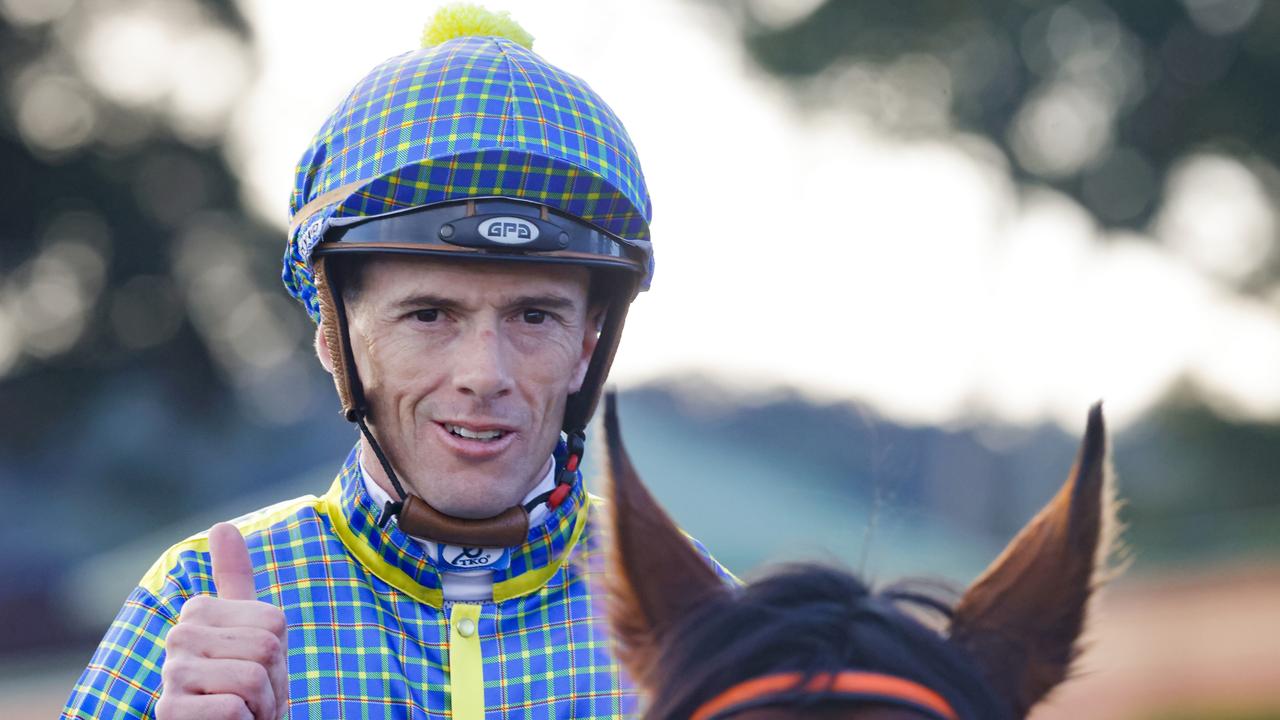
(483, 368)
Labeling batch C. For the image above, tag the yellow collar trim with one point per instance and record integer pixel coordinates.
(524, 584)
(531, 581)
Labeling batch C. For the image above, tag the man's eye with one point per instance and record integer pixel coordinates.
(534, 317)
(426, 316)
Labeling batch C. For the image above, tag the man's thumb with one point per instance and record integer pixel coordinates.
(232, 571)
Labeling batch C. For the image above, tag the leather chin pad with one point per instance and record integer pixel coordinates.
(333, 336)
(508, 529)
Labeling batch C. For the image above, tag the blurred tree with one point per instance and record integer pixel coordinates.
(1102, 99)
(145, 341)
(125, 250)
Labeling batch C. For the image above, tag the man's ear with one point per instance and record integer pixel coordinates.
(322, 348)
(656, 577)
(1022, 619)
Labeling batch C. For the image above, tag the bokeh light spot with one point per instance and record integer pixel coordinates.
(1222, 17)
(55, 114)
(1062, 129)
(1218, 215)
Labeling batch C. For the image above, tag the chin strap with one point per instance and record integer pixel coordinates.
(392, 507)
(554, 498)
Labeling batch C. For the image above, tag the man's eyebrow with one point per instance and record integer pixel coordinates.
(549, 301)
(426, 300)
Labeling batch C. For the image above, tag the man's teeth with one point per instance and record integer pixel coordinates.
(473, 434)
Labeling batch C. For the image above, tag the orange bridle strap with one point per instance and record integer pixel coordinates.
(874, 687)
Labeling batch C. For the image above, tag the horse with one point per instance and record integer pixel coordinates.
(809, 641)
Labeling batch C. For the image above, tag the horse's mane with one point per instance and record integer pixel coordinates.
(813, 619)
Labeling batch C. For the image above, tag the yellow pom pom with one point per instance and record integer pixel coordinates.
(465, 20)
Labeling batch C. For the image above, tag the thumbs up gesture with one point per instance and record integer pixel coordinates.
(226, 656)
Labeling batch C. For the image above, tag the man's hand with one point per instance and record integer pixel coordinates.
(226, 656)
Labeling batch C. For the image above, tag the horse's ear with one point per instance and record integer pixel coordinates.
(656, 576)
(1022, 619)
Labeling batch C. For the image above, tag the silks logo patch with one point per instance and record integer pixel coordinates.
(509, 230)
(456, 557)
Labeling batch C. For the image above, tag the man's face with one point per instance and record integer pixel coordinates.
(466, 367)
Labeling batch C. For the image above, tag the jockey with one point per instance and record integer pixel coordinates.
(468, 229)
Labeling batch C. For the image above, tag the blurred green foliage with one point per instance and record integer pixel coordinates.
(114, 200)
(146, 348)
(1099, 99)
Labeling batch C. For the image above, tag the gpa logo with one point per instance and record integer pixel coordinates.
(509, 230)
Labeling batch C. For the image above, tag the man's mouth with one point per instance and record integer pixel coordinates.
(482, 435)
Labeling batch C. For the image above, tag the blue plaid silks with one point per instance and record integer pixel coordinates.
(471, 117)
(369, 636)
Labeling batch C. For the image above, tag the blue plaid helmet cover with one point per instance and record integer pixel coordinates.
(472, 117)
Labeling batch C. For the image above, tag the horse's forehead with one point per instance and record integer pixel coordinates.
(864, 713)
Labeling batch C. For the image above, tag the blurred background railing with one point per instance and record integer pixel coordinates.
(901, 247)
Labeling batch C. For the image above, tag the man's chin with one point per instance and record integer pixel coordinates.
(477, 499)
(466, 509)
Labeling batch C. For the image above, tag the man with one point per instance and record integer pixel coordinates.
(468, 229)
